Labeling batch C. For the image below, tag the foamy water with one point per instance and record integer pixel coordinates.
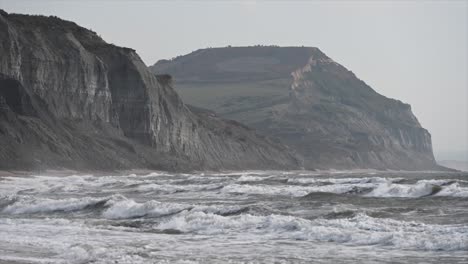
(235, 217)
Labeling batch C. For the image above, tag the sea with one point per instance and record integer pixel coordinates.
(235, 217)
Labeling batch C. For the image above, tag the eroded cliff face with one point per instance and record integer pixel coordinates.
(350, 124)
(308, 101)
(69, 99)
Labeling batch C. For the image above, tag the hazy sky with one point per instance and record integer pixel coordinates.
(414, 51)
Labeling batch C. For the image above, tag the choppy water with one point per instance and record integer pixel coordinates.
(237, 217)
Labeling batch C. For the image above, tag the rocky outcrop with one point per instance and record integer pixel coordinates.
(68, 99)
(308, 101)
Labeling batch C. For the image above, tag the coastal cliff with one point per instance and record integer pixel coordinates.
(308, 101)
(68, 99)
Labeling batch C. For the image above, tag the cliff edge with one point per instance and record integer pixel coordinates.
(68, 99)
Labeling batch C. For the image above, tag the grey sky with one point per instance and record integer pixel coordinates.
(414, 51)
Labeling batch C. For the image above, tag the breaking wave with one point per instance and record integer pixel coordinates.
(292, 190)
(343, 180)
(131, 209)
(128, 208)
(31, 205)
(419, 189)
(359, 230)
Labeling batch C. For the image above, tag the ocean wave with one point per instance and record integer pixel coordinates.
(128, 208)
(404, 190)
(249, 178)
(293, 190)
(369, 187)
(453, 190)
(359, 230)
(170, 188)
(31, 205)
(157, 174)
(6, 200)
(419, 189)
(313, 180)
(80, 183)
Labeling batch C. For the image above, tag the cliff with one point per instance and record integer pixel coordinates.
(308, 101)
(68, 99)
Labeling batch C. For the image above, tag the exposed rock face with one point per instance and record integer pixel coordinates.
(69, 99)
(310, 102)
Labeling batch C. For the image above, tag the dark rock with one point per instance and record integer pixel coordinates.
(71, 100)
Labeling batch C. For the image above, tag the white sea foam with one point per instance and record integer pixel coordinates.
(291, 190)
(419, 189)
(128, 208)
(453, 190)
(63, 241)
(402, 190)
(312, 180)
(249, 178)
(157, 174)
(359, 230)
(78, 183)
